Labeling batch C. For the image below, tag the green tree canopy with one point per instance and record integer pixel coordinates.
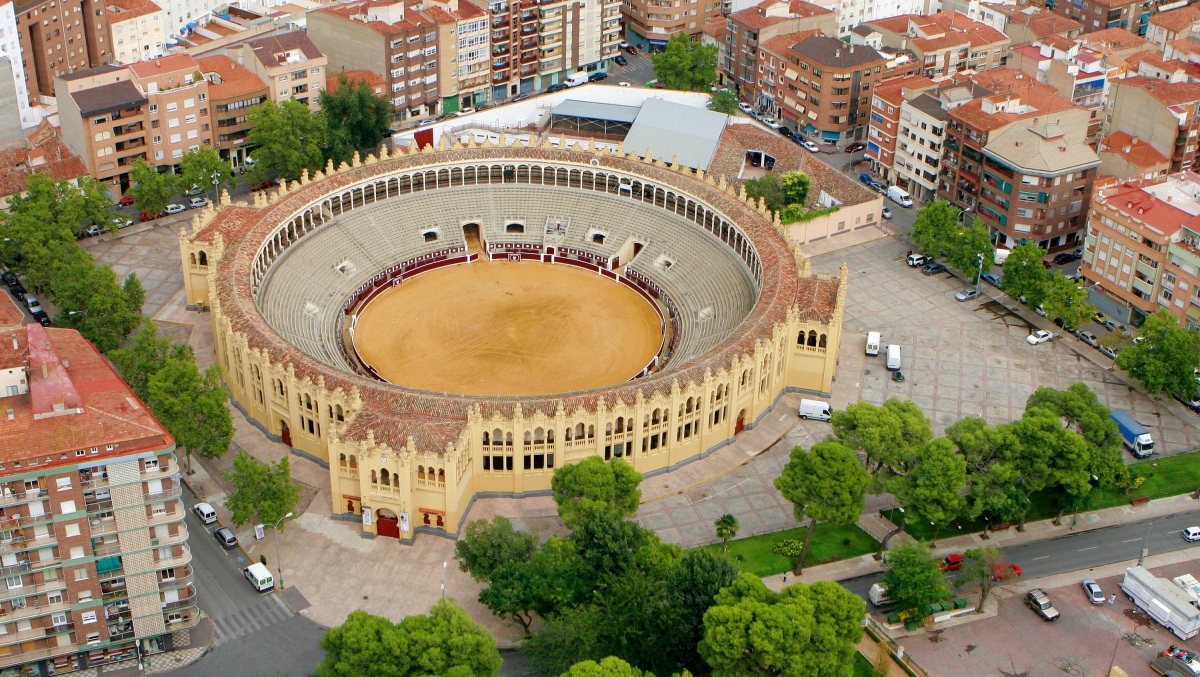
(191, 405)
(971, 245)
(686, 65)
(804, 631)
(594, 486)
(152, 191)
(1065, 299)
(446, 642)
(566, 639)
(608, 667)
(1024, 274)
(889, 435)
(795, 187)
(913, 579)
(357, 119)
(199, 166)
(1164, 358)
(727, 528)
(932, 489)
(767, 187)
(976, 573)
(265, 490)
(289, 138)
(91, 302)
(486, 546)
(144, 358)
(935, 226)
(826, 484)
(723, 102)
(691, 589)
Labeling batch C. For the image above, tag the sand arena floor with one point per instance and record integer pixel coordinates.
(508, 328)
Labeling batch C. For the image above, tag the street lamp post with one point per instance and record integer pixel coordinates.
(979, 274)
(278, 563)
(444, 565)
(216, 181)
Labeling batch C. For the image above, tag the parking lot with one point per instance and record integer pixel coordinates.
(971, 358)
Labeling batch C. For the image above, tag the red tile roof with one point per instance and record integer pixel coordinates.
(374, 80)
(163, 65)
(75, 401)
(1129, 198)
(1167, 93)
(1177, 20)
(1113, 39)
(227, 80)
(18, 164)
(1135, 150)
(10, 315)
(124, 10)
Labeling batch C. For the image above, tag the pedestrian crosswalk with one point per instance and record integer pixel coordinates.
(258, 616)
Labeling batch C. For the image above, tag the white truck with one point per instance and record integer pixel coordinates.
(576, 79)
(1164, 600)
(878, 595)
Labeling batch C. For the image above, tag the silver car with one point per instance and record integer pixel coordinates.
(1092, 589)
(967, 295)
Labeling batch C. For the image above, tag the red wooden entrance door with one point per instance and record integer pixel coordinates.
(285, 434)
(388, 526)
(741, 423)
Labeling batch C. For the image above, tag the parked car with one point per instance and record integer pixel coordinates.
(1191, 534)
(1003, 572)
(263, 185)
(951, 562)
(967, 294)
(555, 88)
(1111, 353)
(32, 303)
(745, 108)
(198, 202)
(119, 222)
(44, 320)
(1040, 602)
(787, 133)
(916, 260)
(1039, 336)
(225, 537)
(249, 161)
(810, 147)
(18, 291)
(854, 147)
(772, 123)
(469, 111)
(125, 200)
(10, 278)
(1068, 257)
(1092, 589)
(624, 84)
(1192, 403)
(991, 279)
(594, 77)
(866, 179)
(631, 49)
(194, 190)
(621, 60)
(886, 213)
(175, 208)
(92, 231)
(1088, 338)
(933, 268)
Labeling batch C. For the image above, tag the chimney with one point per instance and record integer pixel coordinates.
(851, 49)
(1126, 149)
(158, 63)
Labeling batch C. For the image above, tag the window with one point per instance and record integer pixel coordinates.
(190, 119)
(173, 122)
(63, 483)
(54, 598)
(13, 582)
(71, 530)
(88, 617)
(189, 103)
(172, 107)
(59, 618)
(67, 507)
(153, 108)
(76, 552)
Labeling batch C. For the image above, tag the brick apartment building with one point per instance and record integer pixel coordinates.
(945, 43)
(93, 546)
(290, 63)
(137, 30)
(233, 93)
(884, 125)
(1165, 115)
(650, 23)
(105, 123)
(60, 37)
(1097, 15)
(177, 107)
(738, 60)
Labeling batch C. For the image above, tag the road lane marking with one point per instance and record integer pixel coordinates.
(1132, 540)
(1091, 548)
(1042, 557)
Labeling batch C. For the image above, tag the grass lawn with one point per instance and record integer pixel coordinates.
(830, 543)
(1168, 476)
(862, 666)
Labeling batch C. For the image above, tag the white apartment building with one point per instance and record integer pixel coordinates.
(137, 30)
(10, 48)
(919, 145)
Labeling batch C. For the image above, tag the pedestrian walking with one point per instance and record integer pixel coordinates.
(1112, 600)
(785, 577)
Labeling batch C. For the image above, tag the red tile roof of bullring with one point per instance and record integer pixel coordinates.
(393, 413)
(75, 401)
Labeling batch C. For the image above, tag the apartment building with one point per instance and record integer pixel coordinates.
(290, 63)
(177, 107)
(137, 30)
(884, 126)
(819, 85)
(945, 43)
(1166, 27)
(919, 144)
(105, 123)
(1075, 72)
(464, 62)
(1127, 158)
(1027, 25)
(95, 559)
(746, 29)
(1165, 115)
(1020, 159)
(1096, 15)
(23, 105)
(234, 92)
(374, 81)
(1142, 252)
(651, 23)
(60, 37)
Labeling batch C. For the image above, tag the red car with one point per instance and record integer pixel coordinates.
(147, 216)
(125, 200)
(631, 49)
(951, 563)
(854, 147)
(1005, 571)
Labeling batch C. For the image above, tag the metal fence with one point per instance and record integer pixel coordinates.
(905, 661)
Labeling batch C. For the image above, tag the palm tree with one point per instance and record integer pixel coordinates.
(727, 528)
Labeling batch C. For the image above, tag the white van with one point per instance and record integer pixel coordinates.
(899, 196)
(893, 357)
(1001, 256)
(205, 512)
(872, 343)
(576, 79)
(259, 576)
(878, 595)
(815, 409)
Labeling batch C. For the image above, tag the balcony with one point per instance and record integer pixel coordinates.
(179, 560)
(166, 494)
(12, 497)
(34, 611)
(132, 128)
(33, 634)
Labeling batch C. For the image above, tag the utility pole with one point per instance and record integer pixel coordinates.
(1145, 548)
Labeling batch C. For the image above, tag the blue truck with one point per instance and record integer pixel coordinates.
(1136, 437)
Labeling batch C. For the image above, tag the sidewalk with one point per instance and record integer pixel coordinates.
(190, 646)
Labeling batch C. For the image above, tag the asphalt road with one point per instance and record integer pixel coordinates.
(1078, 552)
(256, 634)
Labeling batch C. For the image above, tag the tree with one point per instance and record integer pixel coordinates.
(91, 302)
(691, 589)
(723, 101)
(135, 294)
(767, 188)
(487, 546)
(970, 246)
(544, 584)
(444, 642)
(976, 573)
(1066, 300)
(727, 528)
(198, 168)
(1024, 274)
(795, 187)
(1164, 358)
(595, 486)
(67, 206)
(804, 631)
(565, 640)
(289, 138)
(980, 444)
(191, 405)
(1082, 413)
(608, 667)
(889, 435)
(935, 226)
(265, 490)
(931, 490)
(914, 580)
(152, 191)
(356, 119)
(686, 65)
(826, 484)
(141, 360)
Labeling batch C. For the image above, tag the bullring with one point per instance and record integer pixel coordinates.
(742, 318)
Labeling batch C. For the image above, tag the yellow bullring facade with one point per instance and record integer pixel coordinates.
(743, 318)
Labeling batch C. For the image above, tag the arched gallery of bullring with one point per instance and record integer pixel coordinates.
(458, 322)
